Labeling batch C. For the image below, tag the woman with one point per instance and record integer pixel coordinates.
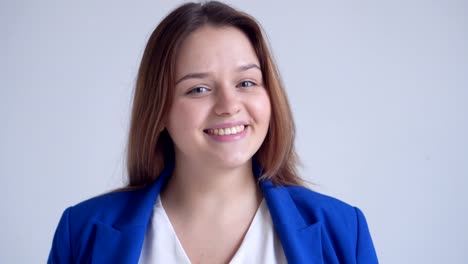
(211, 162)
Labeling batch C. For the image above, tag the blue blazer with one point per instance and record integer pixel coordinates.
(312, 228)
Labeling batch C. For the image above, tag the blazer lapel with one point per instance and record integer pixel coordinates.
(301, 241)
(117, 246)
(123, 241)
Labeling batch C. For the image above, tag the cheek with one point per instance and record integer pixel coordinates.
(262, 108)
(185, 115)
(178, 117)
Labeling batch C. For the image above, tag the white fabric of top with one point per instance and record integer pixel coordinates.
(260, 244)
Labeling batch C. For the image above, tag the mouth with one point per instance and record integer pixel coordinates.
(226, 131)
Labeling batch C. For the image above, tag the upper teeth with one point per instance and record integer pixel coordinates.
(227, 131)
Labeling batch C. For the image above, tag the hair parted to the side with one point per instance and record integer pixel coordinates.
(150, 147)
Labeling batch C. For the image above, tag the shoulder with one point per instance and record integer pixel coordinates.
(343, 226)
(331, 211)
(303, 196)
(78, 228)
(106, 208)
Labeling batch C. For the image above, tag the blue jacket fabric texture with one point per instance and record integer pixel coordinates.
(312, 227)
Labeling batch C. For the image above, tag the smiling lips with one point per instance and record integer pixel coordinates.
(226, 131)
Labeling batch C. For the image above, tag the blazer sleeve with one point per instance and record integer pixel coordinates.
(61, 246)
(365, 251)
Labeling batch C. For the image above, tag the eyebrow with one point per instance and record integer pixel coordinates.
(201, 75)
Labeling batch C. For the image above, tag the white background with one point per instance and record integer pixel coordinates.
(379, 91)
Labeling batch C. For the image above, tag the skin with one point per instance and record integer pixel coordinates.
(212, 184)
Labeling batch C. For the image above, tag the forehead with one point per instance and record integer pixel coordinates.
(213, 48)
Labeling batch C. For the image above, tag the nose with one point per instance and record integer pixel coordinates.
(227, 101)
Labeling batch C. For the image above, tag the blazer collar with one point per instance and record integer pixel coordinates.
(122, 242)
(301, 241)
(140, 208)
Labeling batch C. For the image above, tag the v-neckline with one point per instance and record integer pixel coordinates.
(253, 224)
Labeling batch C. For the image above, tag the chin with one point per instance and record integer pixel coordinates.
(232, 163)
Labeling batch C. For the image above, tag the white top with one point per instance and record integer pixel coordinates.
(260, 244)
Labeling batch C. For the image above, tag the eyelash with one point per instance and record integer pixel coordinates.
(197, 89)
(194, 90)
(251, 83)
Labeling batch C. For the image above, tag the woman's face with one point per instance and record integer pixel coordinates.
(220, 111)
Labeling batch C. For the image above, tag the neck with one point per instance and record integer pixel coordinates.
(205, 188)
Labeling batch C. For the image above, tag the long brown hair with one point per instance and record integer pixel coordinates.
(150, 147)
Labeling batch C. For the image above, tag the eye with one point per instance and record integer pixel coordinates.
(198, 90)
(246, 84)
